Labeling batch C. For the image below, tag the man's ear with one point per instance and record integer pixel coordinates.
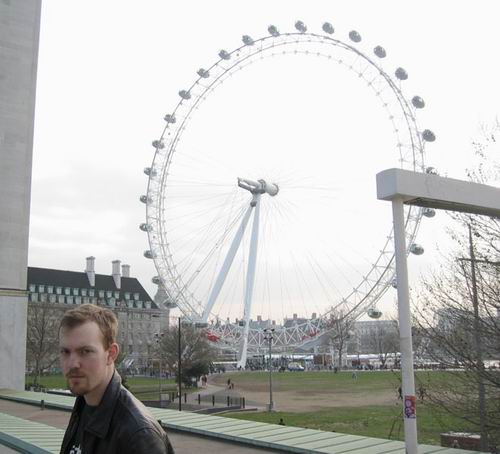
(113, 352)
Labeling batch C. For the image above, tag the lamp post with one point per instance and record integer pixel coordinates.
(179, 361)
(268, 335)
(158, 337)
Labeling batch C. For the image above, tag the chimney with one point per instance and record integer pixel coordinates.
(295, 316)
(259, 318)
(314, 315)
(126, 270)
(90, 271)
(117, 277)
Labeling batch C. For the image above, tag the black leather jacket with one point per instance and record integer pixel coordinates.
(121, 424)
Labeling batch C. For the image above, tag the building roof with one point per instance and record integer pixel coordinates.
(78, 279)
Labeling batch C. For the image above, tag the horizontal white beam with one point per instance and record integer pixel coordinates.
(433, 191)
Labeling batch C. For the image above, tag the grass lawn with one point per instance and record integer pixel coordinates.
(379, 422)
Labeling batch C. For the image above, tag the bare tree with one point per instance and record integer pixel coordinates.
(459, 312)
(196, 352)
(42, 344)
(339, 332)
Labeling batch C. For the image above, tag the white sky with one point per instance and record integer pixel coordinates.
(109, 71)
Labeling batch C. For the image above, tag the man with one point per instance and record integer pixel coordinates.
(106, 418)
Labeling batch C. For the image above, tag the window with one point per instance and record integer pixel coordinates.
(75, 292)
(109, 293)
(41, 288)
(86, 300)
(33, 297)
(78, 300)
(43, 297)
(60, 299)
(67, 291)
(32, 288)
(91, 292)
(58, 290)
(52, 298)
(111, 302)
(127, 295)
(101, 293)
(117, 295)
(50, 289)
(84, 292)
(93, 300)
(69, 300)
(136, 296)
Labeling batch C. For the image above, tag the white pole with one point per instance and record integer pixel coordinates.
(227, 264)
(252, 260)
(409, 401)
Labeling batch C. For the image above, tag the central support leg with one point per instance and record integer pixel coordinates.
(252, 260)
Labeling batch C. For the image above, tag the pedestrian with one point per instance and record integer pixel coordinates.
(228, 383)
(421, 392)
(106, 418)
(400, 393)
(354, 375)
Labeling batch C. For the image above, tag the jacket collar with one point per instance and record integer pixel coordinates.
(100, 421)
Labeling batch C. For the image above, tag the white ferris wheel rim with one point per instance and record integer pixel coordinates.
(376, 280)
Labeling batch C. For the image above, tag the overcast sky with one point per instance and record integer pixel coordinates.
(109, 71)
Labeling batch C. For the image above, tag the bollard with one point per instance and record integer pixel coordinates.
(185, 397)
(199, 399)
(228, 401)
(213, 400)
(243, 402)
(42, 404)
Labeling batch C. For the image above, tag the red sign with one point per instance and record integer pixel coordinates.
(410, 409)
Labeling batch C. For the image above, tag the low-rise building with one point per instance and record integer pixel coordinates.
(139, 316)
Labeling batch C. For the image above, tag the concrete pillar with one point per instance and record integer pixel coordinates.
(19, 34)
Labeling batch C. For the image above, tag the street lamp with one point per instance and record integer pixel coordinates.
(269, 336)
(158, 338)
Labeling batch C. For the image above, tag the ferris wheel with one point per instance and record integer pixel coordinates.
(240, 222)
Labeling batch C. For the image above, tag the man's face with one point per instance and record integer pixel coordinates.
(85, 362)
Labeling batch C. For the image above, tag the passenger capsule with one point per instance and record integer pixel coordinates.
(146, 227)
(247, 40)
(184, 94)
(416, 249)
(401, 74)
(328, 28)
(380, 52)
(429, 212)
(354, 36)
(300, 26)
(428, 135)
(224, 54)
(158, 144)
(373, 312)
(145, 199)
(418, 102)
(169, 118)
(203, 73)
(149, 254)
(273, 30)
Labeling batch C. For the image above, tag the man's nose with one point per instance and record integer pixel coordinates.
(73, 361)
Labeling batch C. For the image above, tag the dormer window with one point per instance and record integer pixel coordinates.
(127, 295)
(75, 292)
(32, 288)
(59, 290)
(41, 288)
(136, 296)
(91, 292)
(67, 291)
(109, 294)
(50, 289)
(101, 293)
(117, 295)
(84, 292)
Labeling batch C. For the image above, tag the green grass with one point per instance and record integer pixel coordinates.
(372, 421)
